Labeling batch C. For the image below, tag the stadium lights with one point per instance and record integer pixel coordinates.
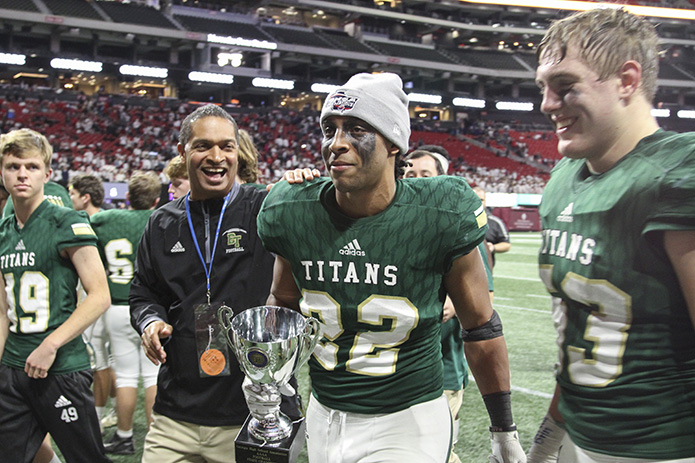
(661, 112)
(144, 71)
(686, 114)
(469, 102)
(212, 77)
(323, 88)
(273, 83)
(513, 106)
(424, 98)
(233, 59)
(76, 65)
(12, 58)
(242, 42)
(31, 75)
(672, 13)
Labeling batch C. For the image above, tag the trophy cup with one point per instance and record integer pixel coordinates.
(271, 344)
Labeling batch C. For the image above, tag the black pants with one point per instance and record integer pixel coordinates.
(61, 405)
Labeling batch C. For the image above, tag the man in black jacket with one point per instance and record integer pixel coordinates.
(197, 253)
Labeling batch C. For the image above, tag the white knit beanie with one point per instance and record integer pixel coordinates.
(377, 99)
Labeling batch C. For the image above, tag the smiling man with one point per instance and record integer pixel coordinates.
(372, 258)
(197, 253)
(618, 251)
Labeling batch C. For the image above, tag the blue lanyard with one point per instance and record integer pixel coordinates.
(227, 199)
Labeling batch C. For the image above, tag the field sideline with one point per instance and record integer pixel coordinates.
(524, 307)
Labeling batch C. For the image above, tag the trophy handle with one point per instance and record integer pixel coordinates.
(310, 337)
(225, 315)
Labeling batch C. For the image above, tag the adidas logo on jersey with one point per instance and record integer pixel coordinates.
(352, 249)
(62, 402)
(566, 214)
(178, 247)
(20, 246)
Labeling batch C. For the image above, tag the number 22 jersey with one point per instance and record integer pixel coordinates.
(627, 344)
(375, 285)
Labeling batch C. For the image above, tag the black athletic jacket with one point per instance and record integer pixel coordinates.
(170, 281)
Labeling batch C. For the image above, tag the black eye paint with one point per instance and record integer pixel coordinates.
(365, 146)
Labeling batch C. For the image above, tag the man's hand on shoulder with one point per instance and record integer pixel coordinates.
(298, 176)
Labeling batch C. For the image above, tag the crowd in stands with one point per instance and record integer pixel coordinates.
(111, 139)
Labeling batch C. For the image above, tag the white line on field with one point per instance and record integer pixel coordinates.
(522, 308)
(525, 390)
(545, 395)
(511, 277)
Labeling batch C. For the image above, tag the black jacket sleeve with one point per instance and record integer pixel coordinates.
(146, 295)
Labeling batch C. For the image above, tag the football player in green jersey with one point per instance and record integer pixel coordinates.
(45, 373)
(424, 164)
(618, 253)
(87, 194)
(373, 258)
(119, 232)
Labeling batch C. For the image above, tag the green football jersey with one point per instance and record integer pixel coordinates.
(52, 191)
(627, 344)
(40, 284)
(375, 284)
(119, 232)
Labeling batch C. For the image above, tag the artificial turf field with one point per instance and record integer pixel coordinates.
(524, 307)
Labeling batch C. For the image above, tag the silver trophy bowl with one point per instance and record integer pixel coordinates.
(271, 344)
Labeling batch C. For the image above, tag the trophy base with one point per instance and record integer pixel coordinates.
(248, 449)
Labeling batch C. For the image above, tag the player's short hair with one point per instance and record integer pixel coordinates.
(210, 110)
(90, 185)
(247, 158)
(435, 149)
(418, 153)
(176, 168)
(143, 189)
(20, 142)
(605, 38)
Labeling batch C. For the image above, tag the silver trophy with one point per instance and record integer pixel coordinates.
(271, 344)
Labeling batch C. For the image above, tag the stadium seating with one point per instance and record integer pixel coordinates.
(74, 8)
(136, 14)
(135, 133)
(221, 27)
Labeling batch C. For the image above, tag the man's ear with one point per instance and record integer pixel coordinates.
(630, 78)
(182, 150)
(394, 150)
